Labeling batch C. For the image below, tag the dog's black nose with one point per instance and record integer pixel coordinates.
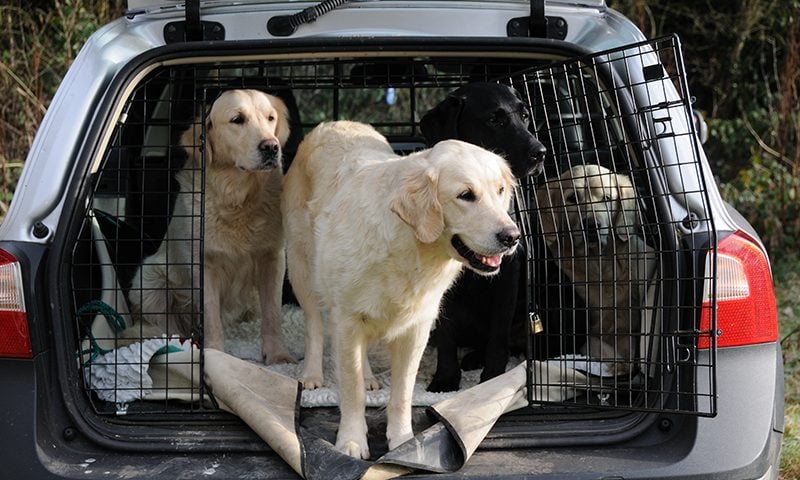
(536, 155)
(539, 152)
(270, 152)
(596, 232)
(508, 236)
(269, 146)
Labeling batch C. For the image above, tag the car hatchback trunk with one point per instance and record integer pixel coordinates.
(617, 110)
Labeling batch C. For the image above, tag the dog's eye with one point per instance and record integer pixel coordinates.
(501, 191)
(467, 195)
(570, 198)
(271, 118)
(238, 119)
(523, 114)
(497, 120)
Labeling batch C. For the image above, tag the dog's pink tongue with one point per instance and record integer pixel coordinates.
(493, 262)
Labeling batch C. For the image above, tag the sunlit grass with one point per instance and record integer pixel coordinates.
(790, 455)
(787, 291)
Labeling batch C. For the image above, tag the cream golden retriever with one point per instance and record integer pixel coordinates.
(376, 239)
(243, 243)
(589, 218)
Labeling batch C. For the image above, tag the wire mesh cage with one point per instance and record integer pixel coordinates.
(611, 287)
(615, 234)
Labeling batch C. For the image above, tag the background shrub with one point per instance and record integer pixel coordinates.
(743, 62)
(38, 40)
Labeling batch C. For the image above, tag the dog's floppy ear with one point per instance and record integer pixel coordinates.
(417, 204)
(206, 142)
(626, 209)
(508, 176)
(547, 210)
(441, 122)
(282, 129)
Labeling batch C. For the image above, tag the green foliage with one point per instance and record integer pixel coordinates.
(38, 41)
(790, 455)
(786, 270)
(742, 59)
(763, 183)
(766, 193)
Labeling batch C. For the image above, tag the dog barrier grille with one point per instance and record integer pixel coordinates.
(638, 301)
(613, 228)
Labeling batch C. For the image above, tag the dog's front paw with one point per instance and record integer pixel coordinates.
(491, 371)
(311, 382)
(487, 374)
(444, 383)
(274, 351)
(372, 383)
(279, 357)
(472, 361)
(398, 438)
(312, 376)
(353, 448)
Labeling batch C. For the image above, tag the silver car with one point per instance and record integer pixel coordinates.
(647, 333)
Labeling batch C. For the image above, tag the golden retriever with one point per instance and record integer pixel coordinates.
(589, 218)
(377, 239)
(243, 243)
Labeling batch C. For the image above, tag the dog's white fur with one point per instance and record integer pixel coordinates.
(243, 241)
(589, 218)
(369, 238)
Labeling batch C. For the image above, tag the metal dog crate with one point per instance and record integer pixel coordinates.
(648, 296)
(583, 111)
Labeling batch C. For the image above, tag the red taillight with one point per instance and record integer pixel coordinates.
(746, 309)
(14, 339)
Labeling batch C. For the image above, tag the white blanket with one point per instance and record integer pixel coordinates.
(242, 341)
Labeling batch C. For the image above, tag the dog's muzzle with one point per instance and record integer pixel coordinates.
(528, 161)
(537, 156)
(270, 154)
(596, 232)
(508, 237)
(537, 169)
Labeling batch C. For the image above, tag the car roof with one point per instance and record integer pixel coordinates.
(161, 4)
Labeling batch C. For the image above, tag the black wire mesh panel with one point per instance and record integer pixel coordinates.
(619, 228)
(131, 204)
(636, 321)
(135, 191)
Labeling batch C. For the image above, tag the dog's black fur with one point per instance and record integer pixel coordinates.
(479, 312)
(492, 116)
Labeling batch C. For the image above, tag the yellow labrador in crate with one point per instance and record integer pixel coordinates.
(243, 242)
(376, 239)
(589, 218)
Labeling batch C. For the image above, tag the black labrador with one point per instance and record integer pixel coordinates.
(478, 312)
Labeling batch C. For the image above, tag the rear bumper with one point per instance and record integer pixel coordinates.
(39, 440)
(743, 441)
